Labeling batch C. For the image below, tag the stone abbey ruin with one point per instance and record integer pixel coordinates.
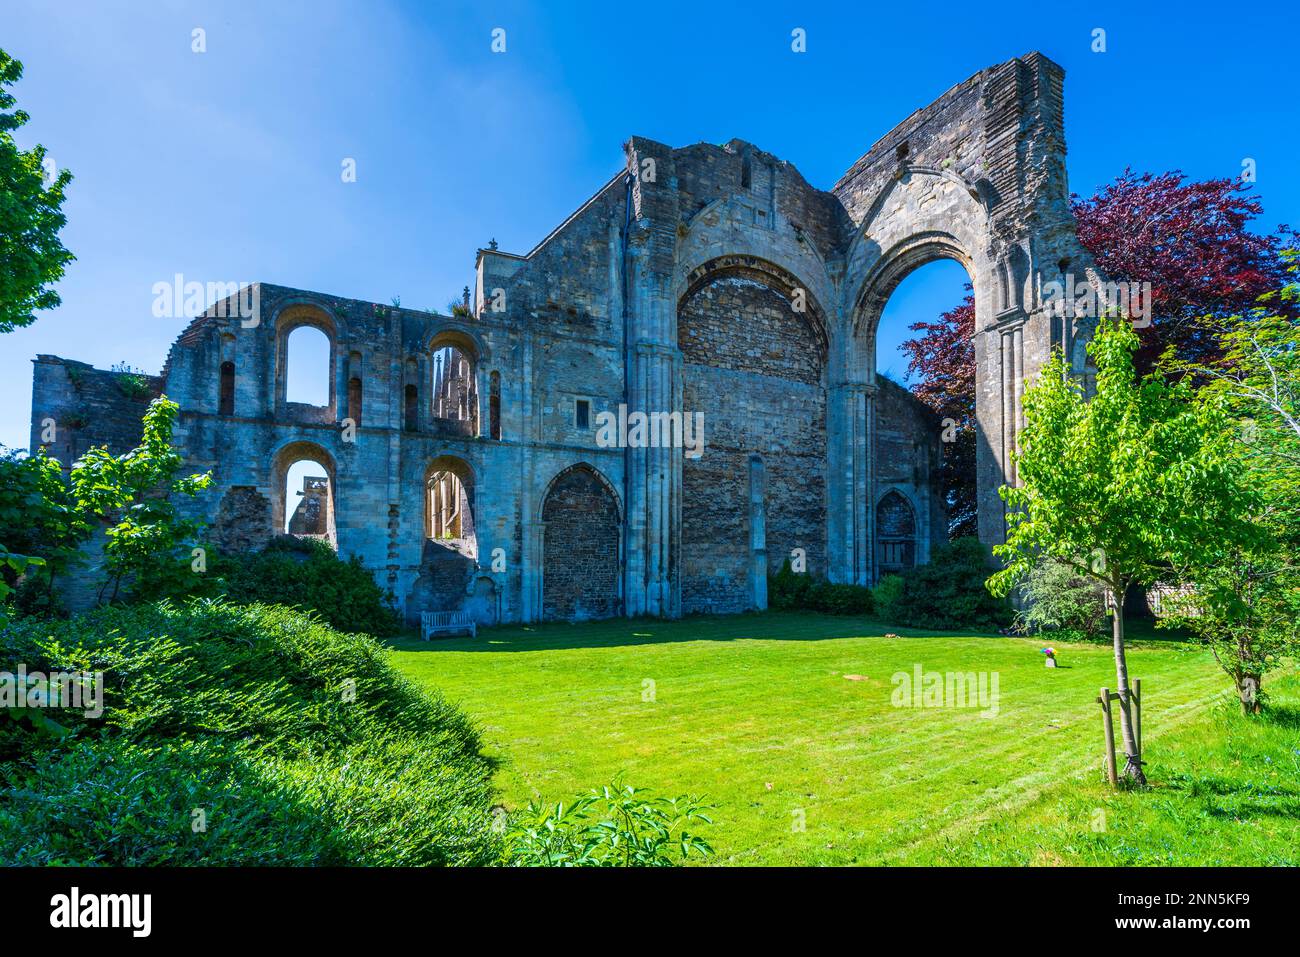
(460, 456)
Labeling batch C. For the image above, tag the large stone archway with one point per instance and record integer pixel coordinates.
(978, 176)
(754, 348)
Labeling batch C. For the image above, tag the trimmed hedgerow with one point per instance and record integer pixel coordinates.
(236, 734)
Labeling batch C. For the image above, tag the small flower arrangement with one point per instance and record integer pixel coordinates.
(1050, 653)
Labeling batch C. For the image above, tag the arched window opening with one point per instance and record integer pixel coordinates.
(448, 507)
(455, 393)
(448, 570)
(308, 509)
(226, 399)
(923, 342)
(746, 171)
(354, 400)
(412, 409)
(494, 405)
(895, 534)
(449, 492)
(925, 295)
(307, 367)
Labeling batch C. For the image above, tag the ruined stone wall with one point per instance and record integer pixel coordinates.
(754, 368)
(243, 522)
(672, 288)
(76, 406)
(908, 455)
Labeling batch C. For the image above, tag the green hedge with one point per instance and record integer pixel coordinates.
(788, 590)
(300, 744)
(947, 593)
(308, 574)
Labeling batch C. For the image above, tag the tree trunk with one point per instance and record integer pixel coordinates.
(1248, 692)
(1132, 763)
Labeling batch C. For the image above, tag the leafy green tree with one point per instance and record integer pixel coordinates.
(1059, 597)
(146, 539)
(1245, 607)
(1244, 604)
(39, 516)
(1122, 487)
(32, 257)
(12, 565)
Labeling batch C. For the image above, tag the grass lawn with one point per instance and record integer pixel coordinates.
(756, 712)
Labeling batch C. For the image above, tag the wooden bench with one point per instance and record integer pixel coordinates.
(446, 623)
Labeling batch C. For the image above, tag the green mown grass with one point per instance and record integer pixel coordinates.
(755, 712)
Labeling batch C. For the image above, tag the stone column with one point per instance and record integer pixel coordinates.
(531, 571)
(654, 489)
(654, 384)
(841, 529)
(850, 466)
(1000, 377)
(1018, 393)
(528, 517)
(757, 532)
(861, 433)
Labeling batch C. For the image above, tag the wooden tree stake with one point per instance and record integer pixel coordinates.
(1137, 716)
(1111, 771)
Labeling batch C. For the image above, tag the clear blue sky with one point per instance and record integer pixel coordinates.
(226, 165)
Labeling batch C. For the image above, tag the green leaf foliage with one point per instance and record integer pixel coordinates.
(1061, 599)
(32, 257)
(790, 590)
(947, 592)
(299, 744)
(617, 825)
(1243, 600)
(1124, 484)
(308, 574)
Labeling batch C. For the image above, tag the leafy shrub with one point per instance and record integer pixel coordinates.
(134, 385)
(308, 574)
(147, 542)
(788, 590)
(886, 595)
(1062, 599)
(298, 743)
(614, 826)
(840, 599)
(41, 527)
(949, 593)
(133, 496)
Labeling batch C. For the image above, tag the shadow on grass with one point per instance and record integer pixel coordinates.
(616, 632)
(1225, 797)
(1284, 716)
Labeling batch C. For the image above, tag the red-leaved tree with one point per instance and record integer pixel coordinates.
(1191, 240)
(944, 358)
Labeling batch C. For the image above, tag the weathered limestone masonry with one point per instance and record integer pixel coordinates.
(463, 456)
